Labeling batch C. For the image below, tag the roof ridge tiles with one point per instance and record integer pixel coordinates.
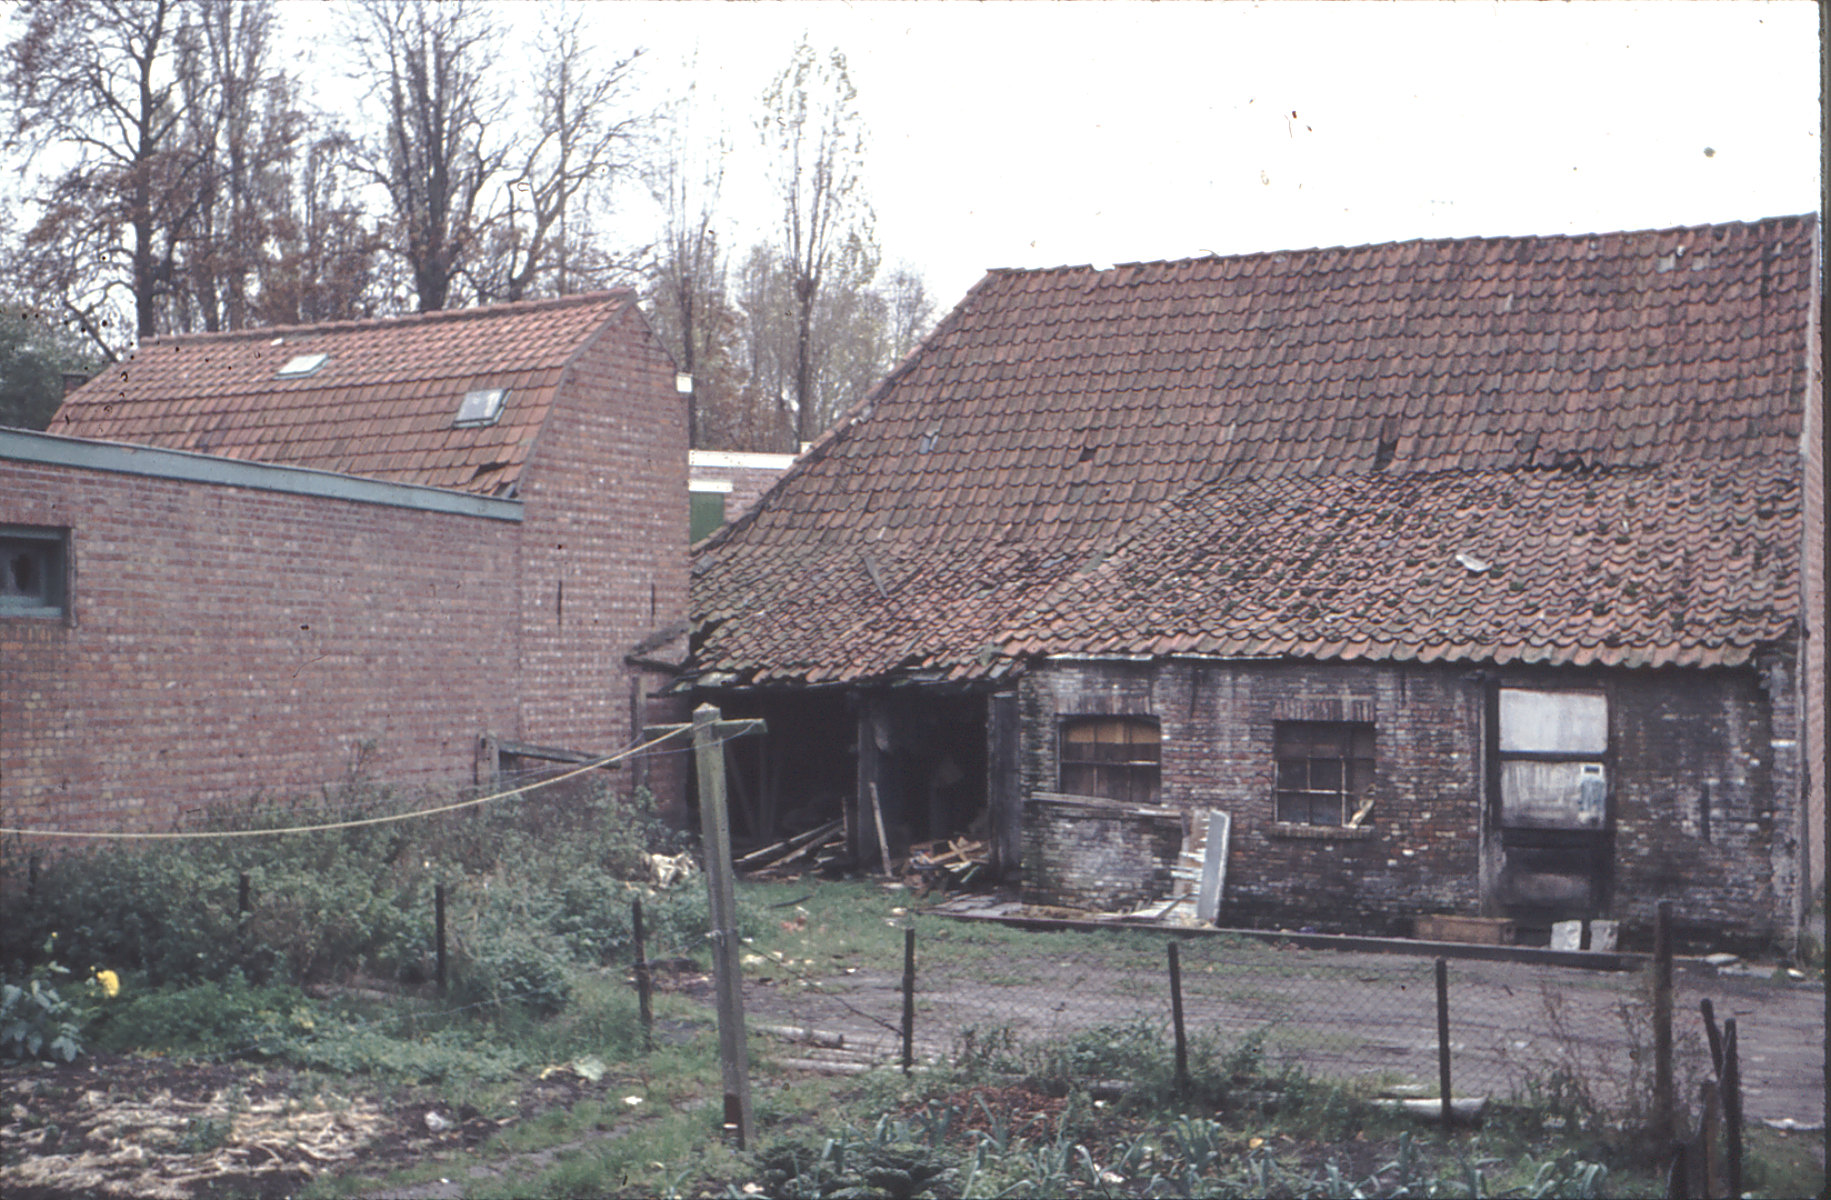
(1282, 254)
(408, 320)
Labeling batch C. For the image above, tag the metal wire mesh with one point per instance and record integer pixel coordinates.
(1094, 1001)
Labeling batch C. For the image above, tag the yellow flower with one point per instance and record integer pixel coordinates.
(111, 983)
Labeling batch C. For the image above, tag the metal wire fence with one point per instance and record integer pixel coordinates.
(1093, 1003)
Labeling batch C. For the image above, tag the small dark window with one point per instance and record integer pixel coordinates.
(32, 572)
(1114, 758)
(1325, 770)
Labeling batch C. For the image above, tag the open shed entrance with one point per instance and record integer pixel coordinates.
(924, 751)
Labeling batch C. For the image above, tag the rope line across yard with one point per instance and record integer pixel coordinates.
(510, 793)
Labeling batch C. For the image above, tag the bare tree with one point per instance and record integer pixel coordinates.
(687, 281)
(244, 118)
(97, 78)
(816, 138)
(581, 142)
(439, 153)
(325, 254)
(909, 311)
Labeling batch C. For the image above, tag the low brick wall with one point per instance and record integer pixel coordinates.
(1080, 852)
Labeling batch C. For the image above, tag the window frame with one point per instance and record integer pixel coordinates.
(1513, 816)
(1138, 777)
(53, 546)
(1354, 772)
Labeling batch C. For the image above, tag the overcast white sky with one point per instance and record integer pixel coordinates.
(1038, 134)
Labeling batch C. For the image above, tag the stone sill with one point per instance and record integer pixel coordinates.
(1319, 833)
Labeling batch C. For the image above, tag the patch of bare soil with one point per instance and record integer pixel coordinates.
(150, 1127)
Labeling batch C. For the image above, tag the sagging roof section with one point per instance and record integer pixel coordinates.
(1014, 487)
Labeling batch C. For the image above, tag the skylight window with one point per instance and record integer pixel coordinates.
(481, 407)
(301, 365)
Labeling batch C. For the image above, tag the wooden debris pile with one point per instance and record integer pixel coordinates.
(949, 862)
(814, 849)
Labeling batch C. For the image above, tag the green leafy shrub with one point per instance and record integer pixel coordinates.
(35, 1020)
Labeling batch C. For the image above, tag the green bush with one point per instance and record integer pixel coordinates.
(36, 1020)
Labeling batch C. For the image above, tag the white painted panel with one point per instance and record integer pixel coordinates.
(1553, 722)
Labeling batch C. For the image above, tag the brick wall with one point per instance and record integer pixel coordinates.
(1671, 732)
(1111, 857)
(603, 558)
(225, 641)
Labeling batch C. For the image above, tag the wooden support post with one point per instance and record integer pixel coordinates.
(1663, 1106)
(644, 1005)
(1176, 1019)
(1443, 1038)
(1732, 1110)
(883, 843)
(908, 1000)
(438, 928)
(241, 894)
(715, 836)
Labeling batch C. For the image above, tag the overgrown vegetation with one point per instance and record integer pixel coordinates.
(536, 891)
(536, 1062)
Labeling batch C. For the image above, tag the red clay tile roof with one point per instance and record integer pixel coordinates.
(1055, 409)
(381, 406)
(1631, 567)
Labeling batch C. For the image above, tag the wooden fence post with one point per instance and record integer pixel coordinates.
(908, 1000)
(643, 1003)
(1176, 1019)
(1443, 1037)
(1732, 1109)
(241, 895)
(438, 928)
(1663, 1106)
(715, 837)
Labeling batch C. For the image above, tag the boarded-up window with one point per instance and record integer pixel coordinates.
(1325, 770)
(1115, 758)
(1551, 744)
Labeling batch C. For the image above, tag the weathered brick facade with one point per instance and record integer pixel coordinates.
(1672, 733)
(225, 640)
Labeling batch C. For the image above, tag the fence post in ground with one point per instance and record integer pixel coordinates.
(1732, 1109)
(908, 1000)
(643, 1004)
(715, 836)
(1443, 1037)
(1176, 1019)
(1713, 1033)
(241, 895)
(1663, 1107)
(438, 927)
(1709, 1173)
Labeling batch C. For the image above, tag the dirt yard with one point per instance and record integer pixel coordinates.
(113, 1126)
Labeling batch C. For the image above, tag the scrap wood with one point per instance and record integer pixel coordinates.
(810, 847)
(819, 833)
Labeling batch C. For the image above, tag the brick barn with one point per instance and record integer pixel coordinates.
(1465, 576)
(414, 550)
